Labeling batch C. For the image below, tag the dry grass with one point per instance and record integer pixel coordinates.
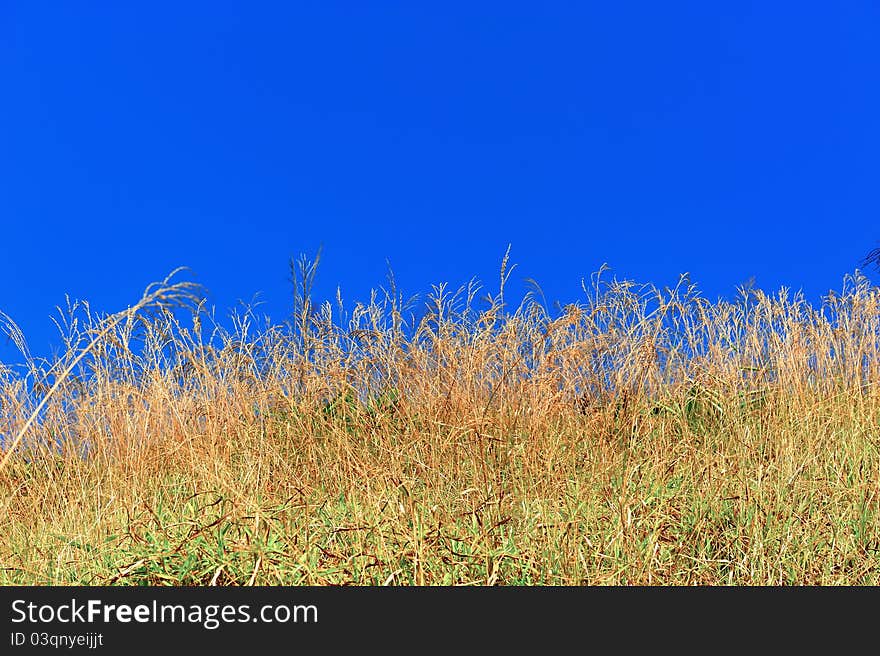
(643, 436)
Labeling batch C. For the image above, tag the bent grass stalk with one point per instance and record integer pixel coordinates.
(161, 296)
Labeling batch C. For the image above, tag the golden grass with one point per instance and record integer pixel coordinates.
(644, 436)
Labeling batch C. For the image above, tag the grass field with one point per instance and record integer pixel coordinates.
(641, 436)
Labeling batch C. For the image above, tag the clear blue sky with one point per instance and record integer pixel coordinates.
(729, 140)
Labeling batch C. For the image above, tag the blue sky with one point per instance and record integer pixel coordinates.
(728, 140)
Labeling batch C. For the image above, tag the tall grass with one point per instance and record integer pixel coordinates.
(640, 436)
